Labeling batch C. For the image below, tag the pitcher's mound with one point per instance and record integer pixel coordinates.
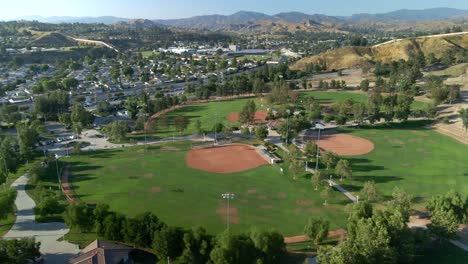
(260, 117)
(225, 159)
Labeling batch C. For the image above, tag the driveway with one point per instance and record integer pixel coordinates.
(52, 250)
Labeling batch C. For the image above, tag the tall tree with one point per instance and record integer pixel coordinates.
(369, 190)
(247, 115)
(343, 169)
(317, 229)
(329, 158)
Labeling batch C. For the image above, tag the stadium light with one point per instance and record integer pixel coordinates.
(319, 127)
(227, 196)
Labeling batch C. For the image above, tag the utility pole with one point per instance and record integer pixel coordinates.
(227, 196)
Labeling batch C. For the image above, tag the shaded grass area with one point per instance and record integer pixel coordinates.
(452, 71)
(443, 253)
(7, 223)
(133, 181)
(420, 161)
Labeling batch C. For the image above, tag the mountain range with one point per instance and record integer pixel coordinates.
(242, 19)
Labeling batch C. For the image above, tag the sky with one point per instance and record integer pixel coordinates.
(164, 9)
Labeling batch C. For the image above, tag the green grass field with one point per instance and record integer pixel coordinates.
(133, 181)
(327, 97)
(421, 161)
(213, 112)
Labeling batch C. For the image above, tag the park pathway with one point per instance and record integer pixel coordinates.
(53, 251)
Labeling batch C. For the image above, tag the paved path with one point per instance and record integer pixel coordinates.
(47, 233)
(430, 36)
(343, 190)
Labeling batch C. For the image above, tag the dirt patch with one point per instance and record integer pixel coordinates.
(314, 210)
(344, 144)
(155, 189)
(233, 214)
(260, 117)
(282, 195)
(262, 197)
(267, 206)
(114, 168)
(251, 191)
(395, 141)
(420, 133)
(66, 186)
(303, 238)
(225, 159)
(169, 149)
(303, 202)
(148, 175)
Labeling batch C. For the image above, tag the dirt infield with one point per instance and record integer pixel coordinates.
(225, 159)
(344, 144)
(260, 116)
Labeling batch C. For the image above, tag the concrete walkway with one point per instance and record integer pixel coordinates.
(343, 190)
(52, 250)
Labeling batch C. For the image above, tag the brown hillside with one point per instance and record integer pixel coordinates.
(347, 57)
(53, 40)
(352, 57)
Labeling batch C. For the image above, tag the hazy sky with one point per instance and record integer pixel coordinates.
(152, 9)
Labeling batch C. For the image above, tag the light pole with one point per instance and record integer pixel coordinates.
(287, 126)
(319, 127)
(227, 196)
(58, 176)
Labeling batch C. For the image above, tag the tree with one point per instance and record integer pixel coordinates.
(403, 107)
(181, 123)
(304, 83)
(294, 158)
(131, 105)
(359, 110)
(447, 212)
(128, 72)
(167, 243)
(197, 247)
(464, 117)
(118, 131)
(401, 202)
(364, 85)
(9, 158)
(310, 150)
(325, 194)
(329, 158)
(343, 169)
(369, 190)
(70, 83)
(317, 229)
(79, 216)
(261, 132)
(317, 179)
(19, 251)
(233, 249)
(7, 203)
(198, 127)
(247, 115)
(77, 128)
(27, 138)
(269, 244)
(65, 119)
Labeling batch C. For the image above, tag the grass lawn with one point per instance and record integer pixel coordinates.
(327, 97)
(147, 53)
(208, 114)
(421, 161)
(133, 181)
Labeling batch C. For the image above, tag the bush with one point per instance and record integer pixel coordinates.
(446, 120)
(329, 117)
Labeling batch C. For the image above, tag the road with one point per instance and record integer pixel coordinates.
(47, 233)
